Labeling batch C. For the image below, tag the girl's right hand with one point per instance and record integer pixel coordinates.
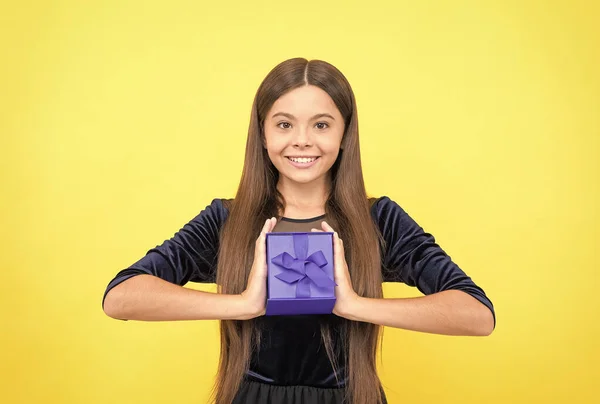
(255, 295)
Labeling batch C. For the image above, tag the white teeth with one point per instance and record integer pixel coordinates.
(302, 160)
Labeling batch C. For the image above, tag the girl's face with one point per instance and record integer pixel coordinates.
(303, 133)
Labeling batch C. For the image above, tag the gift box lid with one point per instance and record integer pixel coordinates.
(286, 270)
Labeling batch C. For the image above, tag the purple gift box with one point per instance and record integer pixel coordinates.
(300, 273)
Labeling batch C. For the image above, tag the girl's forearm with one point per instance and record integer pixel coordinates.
(149, 298)
(451, 312)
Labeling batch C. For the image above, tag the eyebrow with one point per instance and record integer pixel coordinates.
(290, 116)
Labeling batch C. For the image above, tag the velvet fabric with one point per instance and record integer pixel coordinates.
(291, 351)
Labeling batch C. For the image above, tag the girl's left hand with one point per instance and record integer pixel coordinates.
(344, 292)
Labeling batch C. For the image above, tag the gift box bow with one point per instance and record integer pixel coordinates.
(302, 269)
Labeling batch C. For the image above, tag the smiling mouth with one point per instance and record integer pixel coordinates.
(302, 160)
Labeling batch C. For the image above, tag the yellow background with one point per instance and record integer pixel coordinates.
(121, 120)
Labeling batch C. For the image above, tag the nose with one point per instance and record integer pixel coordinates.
(302, 137)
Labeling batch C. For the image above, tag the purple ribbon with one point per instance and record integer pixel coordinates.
(303, 269)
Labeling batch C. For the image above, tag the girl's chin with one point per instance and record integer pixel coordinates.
(302, 178)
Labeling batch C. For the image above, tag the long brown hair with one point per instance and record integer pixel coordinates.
(348, 211)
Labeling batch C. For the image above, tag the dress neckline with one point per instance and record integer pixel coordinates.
(312, 219)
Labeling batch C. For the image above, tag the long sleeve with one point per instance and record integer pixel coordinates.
(190, 255)
(413, 257)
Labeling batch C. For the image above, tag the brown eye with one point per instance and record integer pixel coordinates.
(324, 125)
(284, 123)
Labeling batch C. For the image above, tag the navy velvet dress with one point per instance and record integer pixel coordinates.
(291, 366)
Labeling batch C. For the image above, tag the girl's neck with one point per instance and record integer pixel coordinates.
(304, 200)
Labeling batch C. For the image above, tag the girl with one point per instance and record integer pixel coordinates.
(302, 172)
